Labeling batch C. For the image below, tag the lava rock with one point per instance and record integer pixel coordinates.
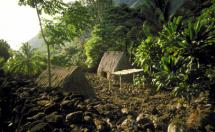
(58, 98)
(41, 127)
(128, 124)
(144, 123)
(38, 116)
(89, 123)
(75, 117)
(32, 111)
(67, 105)
(54, 118)
(51, 108)
(124, 111)
(91, 109)
(80, 107)
(24, 94)
(101, 126)
(44, 102)
(88, 120)
(77, 96)
(176, 127)
(154, 111)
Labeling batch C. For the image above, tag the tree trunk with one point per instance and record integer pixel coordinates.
(48, 48)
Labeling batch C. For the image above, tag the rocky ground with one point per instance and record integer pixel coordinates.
(26, 107)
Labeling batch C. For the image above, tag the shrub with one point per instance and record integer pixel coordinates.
(94, 48)
(181, 57)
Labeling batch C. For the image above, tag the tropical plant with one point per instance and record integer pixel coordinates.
(50, 7)
(148, 55)
(26, 61)
(185, 57)
(94, 48)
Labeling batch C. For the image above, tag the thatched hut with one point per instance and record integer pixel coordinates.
(112, 61)
(70, 81)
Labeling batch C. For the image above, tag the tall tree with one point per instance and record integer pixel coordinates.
(50, 7)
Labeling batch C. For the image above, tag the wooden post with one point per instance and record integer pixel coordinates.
(133, 77)
(120, 82)
(110, 78)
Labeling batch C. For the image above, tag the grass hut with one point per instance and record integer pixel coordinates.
(70, 81)
(112, 61)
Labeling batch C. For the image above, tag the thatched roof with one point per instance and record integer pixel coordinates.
(113, 61)
(72, 80)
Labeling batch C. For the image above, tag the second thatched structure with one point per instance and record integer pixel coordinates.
(68, 80)
(112, 61)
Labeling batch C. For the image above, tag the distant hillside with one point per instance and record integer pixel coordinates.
(36, 42)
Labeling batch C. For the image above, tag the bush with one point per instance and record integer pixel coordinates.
(94, 49)
(96, 45)
(181, 58)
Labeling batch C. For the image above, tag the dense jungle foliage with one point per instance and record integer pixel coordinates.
(171, 40)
